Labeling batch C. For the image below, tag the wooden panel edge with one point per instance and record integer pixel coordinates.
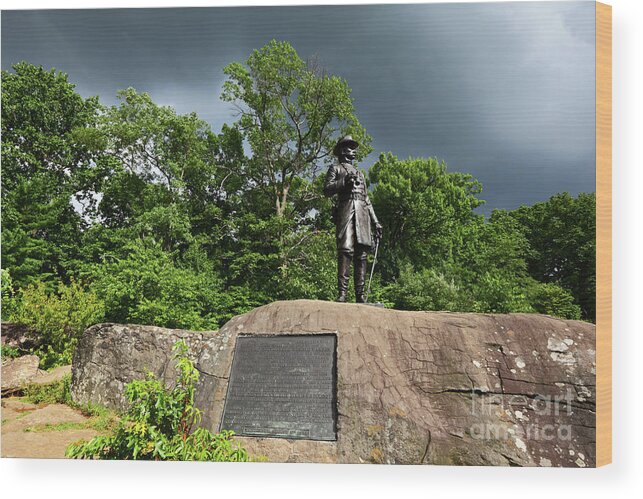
(603, 234)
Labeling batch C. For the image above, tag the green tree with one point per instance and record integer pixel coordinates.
(167, 182)
(562, 239)
(49, 148)
(167, 171)
(312, 271)
(499, 293)
(486, 272)
(423, 210)
(172, 224)
(497, 245)
(148, 287)
(291, 113)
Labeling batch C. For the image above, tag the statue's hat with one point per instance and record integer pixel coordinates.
(348, 141)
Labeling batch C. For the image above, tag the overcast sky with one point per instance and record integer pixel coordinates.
(504, 91)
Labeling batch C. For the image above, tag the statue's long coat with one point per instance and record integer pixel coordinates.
(353, 207)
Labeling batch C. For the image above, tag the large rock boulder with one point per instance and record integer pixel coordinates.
(412, 387)
(16, 373)
(109, 356)
(50, 377)
(23, 371)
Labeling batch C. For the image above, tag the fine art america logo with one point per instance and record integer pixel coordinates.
(521, 409)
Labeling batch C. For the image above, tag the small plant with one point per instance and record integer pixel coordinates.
(9, 352)
(159, 424)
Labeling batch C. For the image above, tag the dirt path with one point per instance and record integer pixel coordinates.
(40, 431)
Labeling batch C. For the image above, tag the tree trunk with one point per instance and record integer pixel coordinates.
(281, 200)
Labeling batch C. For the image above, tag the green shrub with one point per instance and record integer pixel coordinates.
(498, 293)
(159, 422)
(426, 289)
(148, 287)
(9, 352)
(58, 392)
(59, 318)
(552, 299)
(490, 292)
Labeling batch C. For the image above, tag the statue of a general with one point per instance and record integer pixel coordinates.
(353, 216)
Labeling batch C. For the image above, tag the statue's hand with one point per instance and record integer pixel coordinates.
(378, 231)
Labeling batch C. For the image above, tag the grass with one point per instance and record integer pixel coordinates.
(101, 422)
(41, 428)
(59, 392)
(100, 419)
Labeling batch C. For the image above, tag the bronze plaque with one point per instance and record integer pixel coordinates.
(283, 386)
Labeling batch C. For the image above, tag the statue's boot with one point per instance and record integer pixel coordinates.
(343, 274)
(360, 276)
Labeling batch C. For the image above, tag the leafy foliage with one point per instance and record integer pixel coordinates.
(310, 272)
(49, 145)
(480, 266)
(552, 299)
(59, 317)
(147, 288)
(159, 423)
(427, 289)
(423, 209)
(58, 392)
(165, 222)
(9, 352)
(562, 241)
(9, 302)
(291, 115)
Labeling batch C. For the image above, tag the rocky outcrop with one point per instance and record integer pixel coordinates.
(49, 377)
(19, 336)
(41, 430)
(22, 371)
(17, 372)
(412, 387)
(109, 356)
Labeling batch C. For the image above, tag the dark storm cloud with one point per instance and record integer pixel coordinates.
(504, 91)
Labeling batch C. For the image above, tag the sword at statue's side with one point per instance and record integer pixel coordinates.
(370, 279)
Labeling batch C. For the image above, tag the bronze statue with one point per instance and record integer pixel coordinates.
(353, 215)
